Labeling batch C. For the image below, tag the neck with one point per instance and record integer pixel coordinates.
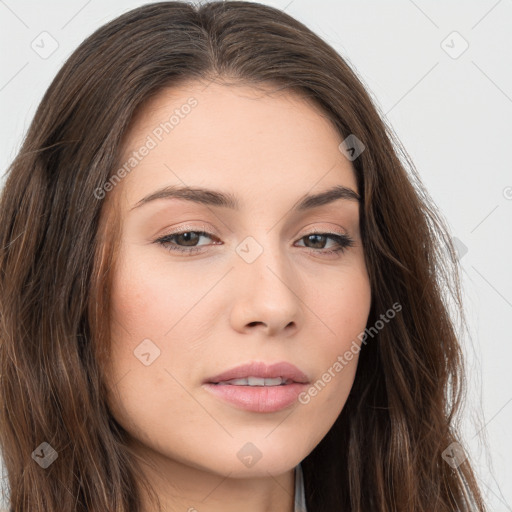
(181, 487)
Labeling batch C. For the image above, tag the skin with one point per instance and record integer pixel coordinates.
(211, 311)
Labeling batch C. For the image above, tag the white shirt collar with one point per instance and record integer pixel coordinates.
(300, 496)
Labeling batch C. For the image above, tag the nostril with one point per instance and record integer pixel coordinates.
(255, 323)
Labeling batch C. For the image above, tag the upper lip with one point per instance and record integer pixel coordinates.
(282, 369)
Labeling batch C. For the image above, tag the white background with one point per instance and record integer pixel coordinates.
(453, 116)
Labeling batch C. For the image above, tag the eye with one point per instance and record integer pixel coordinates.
(190, 238)
(342, 242)
(187, 242)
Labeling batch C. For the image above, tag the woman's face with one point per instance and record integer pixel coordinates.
(259, 286)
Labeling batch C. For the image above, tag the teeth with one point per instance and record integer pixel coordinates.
(253, 381)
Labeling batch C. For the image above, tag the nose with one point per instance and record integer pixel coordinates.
(265, 297)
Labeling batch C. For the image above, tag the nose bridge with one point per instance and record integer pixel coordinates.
(263, 269)
(263, 258)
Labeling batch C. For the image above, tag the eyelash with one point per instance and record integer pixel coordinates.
(343, 241)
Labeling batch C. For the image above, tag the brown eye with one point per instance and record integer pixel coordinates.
(187, 242)
(318, 241)
(180, 241)
(190, 238)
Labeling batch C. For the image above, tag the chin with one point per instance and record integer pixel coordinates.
(250, 460)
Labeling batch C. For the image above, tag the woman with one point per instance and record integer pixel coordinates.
(221, 288)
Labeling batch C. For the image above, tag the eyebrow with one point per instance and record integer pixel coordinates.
(227, 200)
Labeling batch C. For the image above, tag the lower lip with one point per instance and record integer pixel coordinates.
(258, 398)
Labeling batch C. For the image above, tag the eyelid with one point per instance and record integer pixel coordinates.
(209, 230)
(322, 231)
(343, 242)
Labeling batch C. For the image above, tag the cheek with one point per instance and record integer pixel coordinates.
(145, 389)
(146, 401)
(147, 297)
(343, 303)
(343, 307)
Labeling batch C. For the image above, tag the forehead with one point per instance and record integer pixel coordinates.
(236, 136)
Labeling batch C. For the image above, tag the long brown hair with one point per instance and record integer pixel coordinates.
(385, 450)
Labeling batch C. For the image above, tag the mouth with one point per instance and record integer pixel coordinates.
(258, 387)
(255, 381)
(260, 374)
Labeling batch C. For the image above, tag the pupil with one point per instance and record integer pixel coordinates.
(187, 235)
(317, 236)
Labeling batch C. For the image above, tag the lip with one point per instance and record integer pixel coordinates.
(262, 399)
(260, 369)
